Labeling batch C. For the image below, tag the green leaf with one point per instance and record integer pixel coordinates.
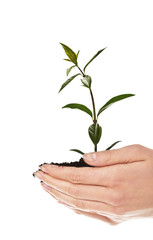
(95, 132)
(78, 106)
(77, 54)
(67, 60)
(68, 81)
(78, 151)
(87, 81)
(69, 69)
(96, 55)
(113, 100)
(112, 145)
(69, 52)
(84, 85)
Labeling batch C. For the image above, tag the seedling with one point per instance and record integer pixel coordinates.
(94, 130)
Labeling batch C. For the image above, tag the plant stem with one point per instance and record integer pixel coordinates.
(81, 71)
(94, 113)
(93, 104)
(95, 147)
(92, 98)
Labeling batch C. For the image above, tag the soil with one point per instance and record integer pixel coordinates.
(79, 163)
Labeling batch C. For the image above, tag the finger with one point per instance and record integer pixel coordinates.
(87, 175)
(86, 192)
(92, 215)
(96, 216)
(47, 189)
(131, 153)
(83, 205)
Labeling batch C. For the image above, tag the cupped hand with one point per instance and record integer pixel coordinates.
(119, 187)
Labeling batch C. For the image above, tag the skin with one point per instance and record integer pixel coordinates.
(119, 187)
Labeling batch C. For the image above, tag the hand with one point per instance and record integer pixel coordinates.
(118, 188)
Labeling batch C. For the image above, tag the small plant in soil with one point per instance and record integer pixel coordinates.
(94, 130)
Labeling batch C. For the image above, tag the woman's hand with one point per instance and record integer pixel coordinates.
(118, 188)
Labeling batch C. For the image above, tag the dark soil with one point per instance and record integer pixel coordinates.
(79, 163)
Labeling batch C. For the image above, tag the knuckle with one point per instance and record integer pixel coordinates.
(138, 146)
(108, 156)
(117, 199)
(113, 223)
(116, 177)
(75, 177)
(119, 211)
(79, 204)
(73, 190)
(45, 178)
(140, 151)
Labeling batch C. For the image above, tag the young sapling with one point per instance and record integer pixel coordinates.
(94, 130)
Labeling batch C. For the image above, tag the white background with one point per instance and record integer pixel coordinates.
(34, 128)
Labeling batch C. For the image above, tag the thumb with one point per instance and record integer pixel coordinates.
(131, 153)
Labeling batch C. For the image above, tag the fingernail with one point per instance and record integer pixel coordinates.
(43, 169)
(45, 186)
(59, 201)
(42, 164)
(77, 212)
(54, 166)
(33, 174)
(38, 174)
(89, 157)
